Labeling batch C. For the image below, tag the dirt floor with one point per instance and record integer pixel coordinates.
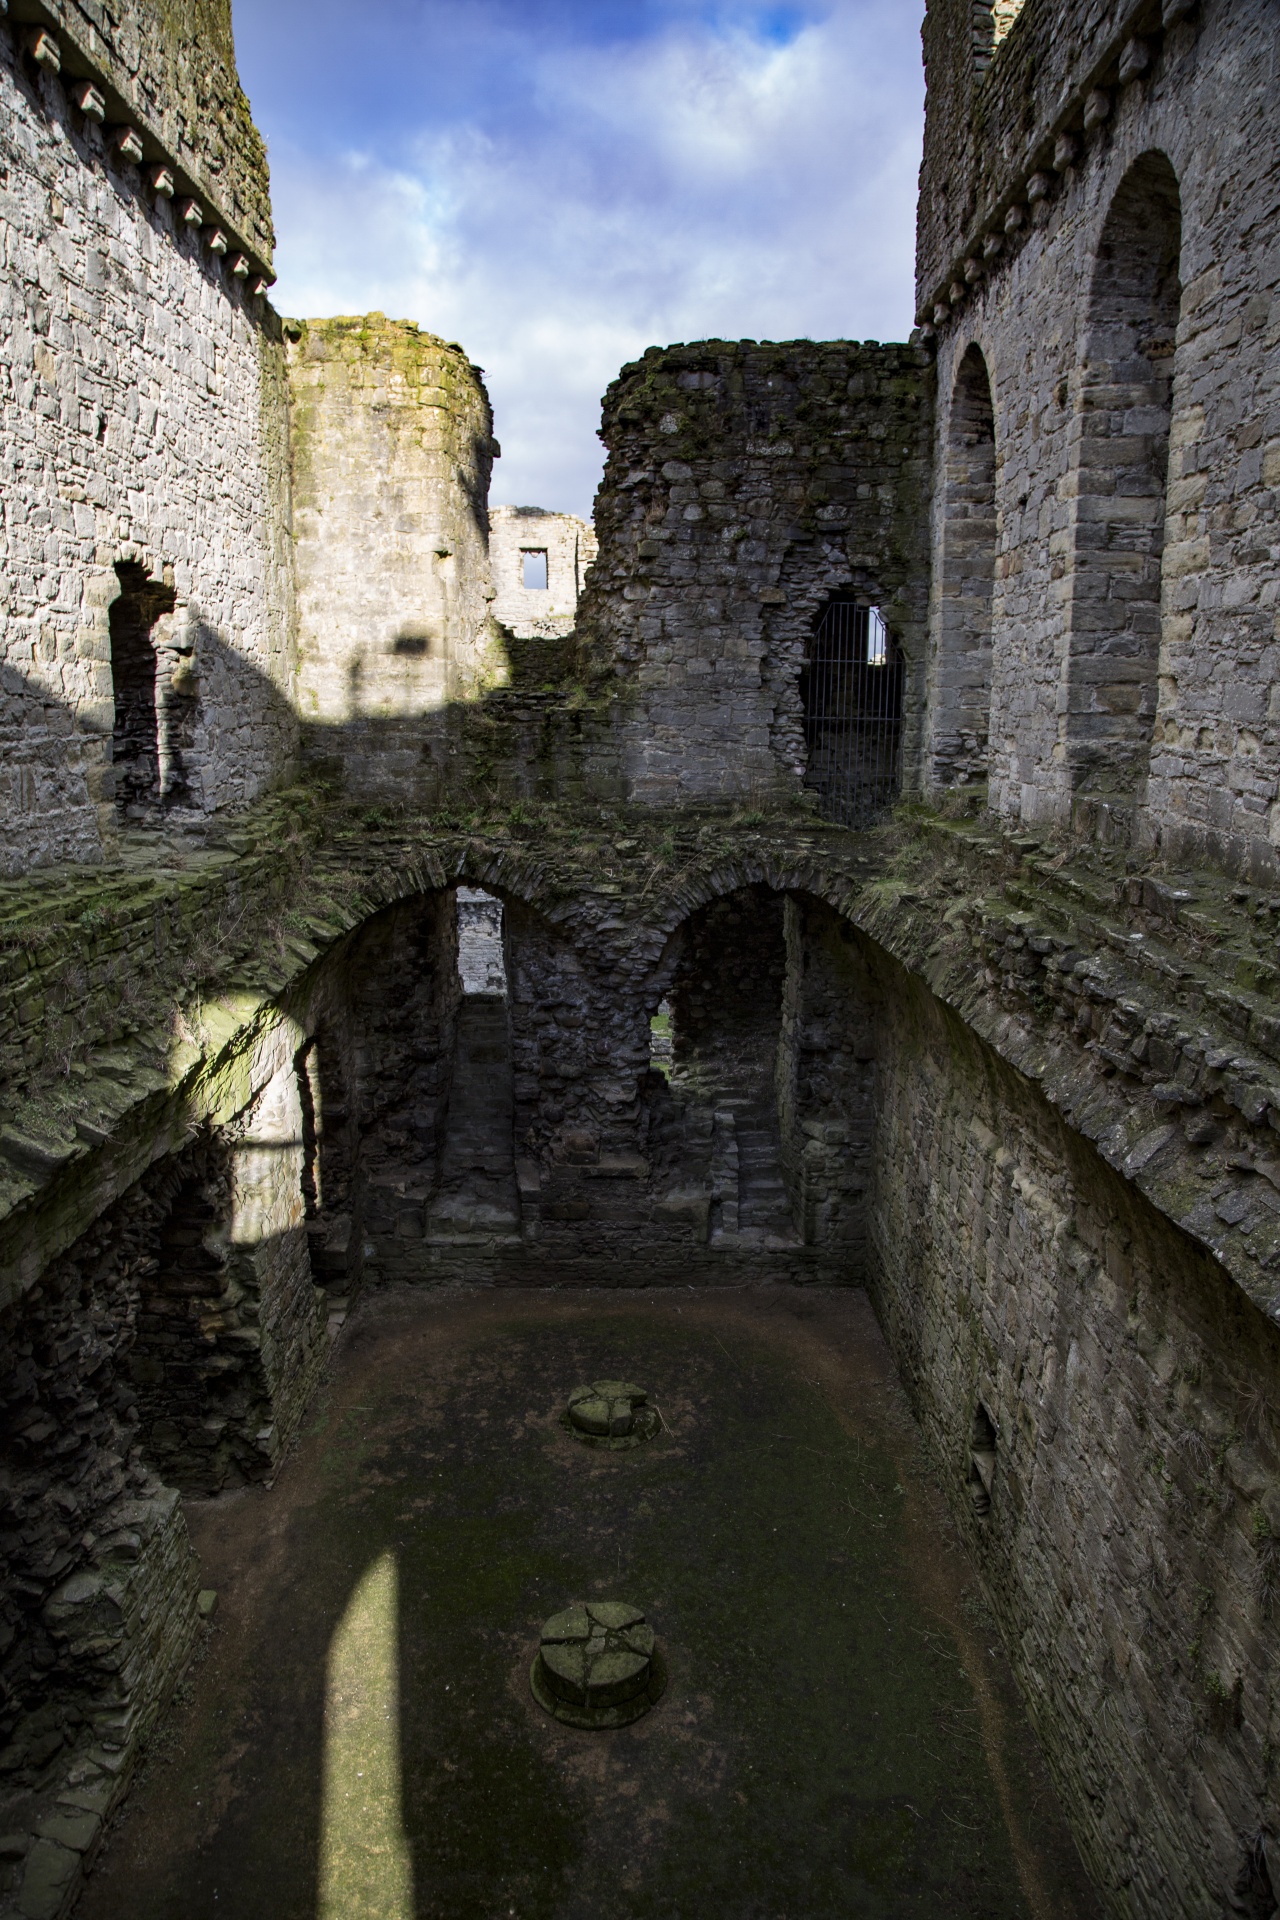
(840, 1735)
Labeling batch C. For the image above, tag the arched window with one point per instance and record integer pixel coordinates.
(960, 697)
(1120, 493)
(851, 691)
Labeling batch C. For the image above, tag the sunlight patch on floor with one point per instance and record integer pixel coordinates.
(366, 1871)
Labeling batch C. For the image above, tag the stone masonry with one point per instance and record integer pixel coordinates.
(143, 424)
(744, 484)
(1010, 1058)
(392, 441)
(569, 545)
(1024, 160)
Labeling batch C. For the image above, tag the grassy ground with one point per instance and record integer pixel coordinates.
(839, 1736)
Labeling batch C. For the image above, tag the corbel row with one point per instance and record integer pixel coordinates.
(129, 146)
(1000, 232)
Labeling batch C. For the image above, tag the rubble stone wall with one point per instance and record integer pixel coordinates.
(1022, 170)
(168, 68)
(392, 445)
(531, 613)
(744, 484)
(1130, 1546)
(143, 422)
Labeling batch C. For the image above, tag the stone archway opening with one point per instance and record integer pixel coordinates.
(725, 1002)
(961, 692)
(1127, 399)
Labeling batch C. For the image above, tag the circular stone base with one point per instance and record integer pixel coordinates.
(598, 1666)
(612, 1414)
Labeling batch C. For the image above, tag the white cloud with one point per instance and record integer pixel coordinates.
(691, 184)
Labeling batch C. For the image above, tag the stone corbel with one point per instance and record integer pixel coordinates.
(1097, 108)
(44, 50)
(90, 101)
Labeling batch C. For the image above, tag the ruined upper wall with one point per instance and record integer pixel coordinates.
(392, 447)
(745, 482)
(997, 96)
(168, 68)
(532, 613)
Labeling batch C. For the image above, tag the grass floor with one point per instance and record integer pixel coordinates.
(840, 1735)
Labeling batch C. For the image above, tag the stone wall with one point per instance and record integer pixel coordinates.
(143, 426)
(1039, 196)
(1100, 1397)
(167, 68)
(531, 613)
(826, 1083)
(745, 483)
(392, 441)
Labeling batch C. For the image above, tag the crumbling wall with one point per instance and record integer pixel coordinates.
(392, 445)
(1122, 1501)
(143, 423)
(745, 483)
(1021, 175)
(532, 613)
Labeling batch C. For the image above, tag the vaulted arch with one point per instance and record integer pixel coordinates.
(960, 695)
(1123, 457)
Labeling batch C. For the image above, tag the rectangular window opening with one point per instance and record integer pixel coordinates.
(535, 568)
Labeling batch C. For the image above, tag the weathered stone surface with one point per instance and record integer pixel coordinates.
(392, 444)
(1065, 495)
(612, 1414)
(598, 1665)
(744, 484)
(143, 424)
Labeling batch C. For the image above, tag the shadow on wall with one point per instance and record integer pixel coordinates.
(177, 725)
(219, 733)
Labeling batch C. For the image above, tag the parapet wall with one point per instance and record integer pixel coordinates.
(168, 69)
(744, 483)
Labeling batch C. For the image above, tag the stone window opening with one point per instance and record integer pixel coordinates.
(960, 696)
(482, 967)
(533, 561)
(326, 1173)
(135, 737)
(1127, 400)
(851, 696)
(982, 1460)
(992, 20)
(660, 1039)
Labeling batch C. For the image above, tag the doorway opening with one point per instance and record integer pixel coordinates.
(135, 735)
(851, 693)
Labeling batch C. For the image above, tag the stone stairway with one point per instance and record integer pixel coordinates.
(753, 1210)
(762, 1193)
(477, 1199)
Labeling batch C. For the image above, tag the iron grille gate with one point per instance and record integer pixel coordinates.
(851, 690)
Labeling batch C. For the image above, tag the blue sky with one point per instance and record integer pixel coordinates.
(558, 184)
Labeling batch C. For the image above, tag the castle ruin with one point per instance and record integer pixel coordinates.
(867, 859)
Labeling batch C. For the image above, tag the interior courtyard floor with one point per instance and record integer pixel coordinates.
(840, 1734)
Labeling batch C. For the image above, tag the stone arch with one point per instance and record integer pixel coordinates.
(960, 695)
(1123, 457)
